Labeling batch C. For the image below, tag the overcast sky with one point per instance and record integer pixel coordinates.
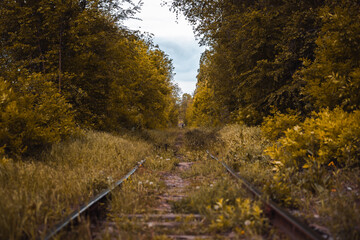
(174, 37)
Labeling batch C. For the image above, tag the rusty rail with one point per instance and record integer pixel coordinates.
(279, 217)
(86, 207)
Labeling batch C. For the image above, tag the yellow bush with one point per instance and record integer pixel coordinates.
(274, 127)
(328, 137)
(33, 114)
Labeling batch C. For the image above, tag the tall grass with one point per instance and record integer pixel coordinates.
(334, 206)
(36, 193)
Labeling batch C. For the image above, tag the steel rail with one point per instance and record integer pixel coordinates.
(96, 199)
(279, 217)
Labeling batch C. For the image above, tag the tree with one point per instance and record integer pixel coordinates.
(68, 40)
(333, 78)
(185, 102)
(255, 50)
(142, 94)
(67, 61)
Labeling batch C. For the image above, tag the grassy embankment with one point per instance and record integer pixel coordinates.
(36, 193)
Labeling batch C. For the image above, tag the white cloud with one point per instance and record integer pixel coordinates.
(175, 37)
(187, 87)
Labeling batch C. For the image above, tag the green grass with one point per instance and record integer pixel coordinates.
(37, 193)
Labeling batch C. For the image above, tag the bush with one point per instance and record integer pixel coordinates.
(329, 137)
(33, 115)
(274, 127)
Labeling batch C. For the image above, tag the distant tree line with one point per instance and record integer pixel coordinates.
(70, 64)
(268, 56)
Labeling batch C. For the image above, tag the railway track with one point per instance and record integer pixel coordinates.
(279, 217)
(164, 219)
(90, 207)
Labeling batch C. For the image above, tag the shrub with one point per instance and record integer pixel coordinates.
(33, 115)
(329, 137)
(248, 115)
(274, 127)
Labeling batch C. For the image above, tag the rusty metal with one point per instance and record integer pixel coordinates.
(279, 217)
(86, 207)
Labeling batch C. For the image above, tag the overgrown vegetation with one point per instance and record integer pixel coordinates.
(33, 115)
(329, 138)
(67, 63)
(214, 194)
(37, 193)
(199, 139)
(261, 55)
(293, 68)
(323, 193)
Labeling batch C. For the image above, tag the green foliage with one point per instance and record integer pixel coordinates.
(330, 136)
(33, 115)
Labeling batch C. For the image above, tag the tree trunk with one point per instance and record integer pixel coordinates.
(60, 71)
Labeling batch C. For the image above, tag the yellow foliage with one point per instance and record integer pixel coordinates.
(204, 108)
(329, 136)
(32, 115)
(274, 127)
(242, 213)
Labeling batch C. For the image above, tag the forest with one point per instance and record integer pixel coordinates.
(66, 65)
(83, 98)
(273, 56)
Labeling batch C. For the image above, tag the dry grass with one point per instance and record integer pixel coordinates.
(208, 186)
(36, 193)
(333, 207)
